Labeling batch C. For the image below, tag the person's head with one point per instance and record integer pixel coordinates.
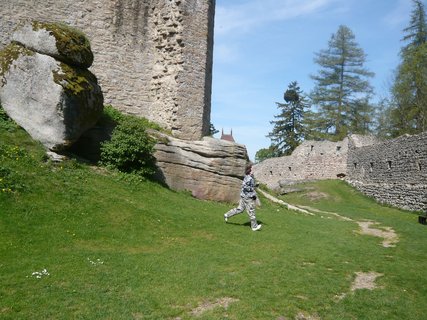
(248, 168)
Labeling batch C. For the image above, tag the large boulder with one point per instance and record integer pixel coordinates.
(53, 101)
(210, 169)
(60, 41)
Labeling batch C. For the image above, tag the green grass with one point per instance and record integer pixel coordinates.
(115, 247)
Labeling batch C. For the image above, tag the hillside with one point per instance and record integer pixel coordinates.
(81, 242)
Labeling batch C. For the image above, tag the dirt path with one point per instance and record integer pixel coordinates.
(389, 236)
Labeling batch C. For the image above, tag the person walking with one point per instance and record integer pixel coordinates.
(247, 201)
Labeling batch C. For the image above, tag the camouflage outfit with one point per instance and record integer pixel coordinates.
(247, 201)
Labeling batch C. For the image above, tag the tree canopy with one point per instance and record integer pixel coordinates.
(288, 129)
(409, 91)
(342, 89)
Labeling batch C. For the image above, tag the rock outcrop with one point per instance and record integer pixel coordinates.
(45, 86)
(210, 169)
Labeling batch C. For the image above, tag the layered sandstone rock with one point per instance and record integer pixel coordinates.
(53, 101)
(211, 169)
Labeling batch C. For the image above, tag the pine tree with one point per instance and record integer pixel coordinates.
(409, 91)
(288, 130)
(383, 125)
(416, 33)
(342, 89)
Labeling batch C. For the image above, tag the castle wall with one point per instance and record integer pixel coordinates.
(393, 172)
(153, 58)
(312, 160)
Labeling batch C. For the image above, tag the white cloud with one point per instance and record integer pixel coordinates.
(243, 17)
(399, 15)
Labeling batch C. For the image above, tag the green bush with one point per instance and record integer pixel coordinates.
(131, 148)
(111, 116)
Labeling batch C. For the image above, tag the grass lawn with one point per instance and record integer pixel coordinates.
(79, 242)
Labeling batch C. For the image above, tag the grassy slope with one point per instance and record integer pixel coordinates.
(115, 248)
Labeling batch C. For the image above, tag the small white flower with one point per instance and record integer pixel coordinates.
(95, 263)
(40, 274)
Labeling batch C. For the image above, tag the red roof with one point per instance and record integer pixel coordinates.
(227, 137)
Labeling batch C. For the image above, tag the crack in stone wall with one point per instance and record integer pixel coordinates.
(168, 60)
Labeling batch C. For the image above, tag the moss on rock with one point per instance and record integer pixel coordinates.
(74, 80)
(9, 54)
(72, 44)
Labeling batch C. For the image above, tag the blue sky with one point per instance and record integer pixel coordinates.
(261, 46)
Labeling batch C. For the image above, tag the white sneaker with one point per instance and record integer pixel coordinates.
(257, 227)
(225, 218)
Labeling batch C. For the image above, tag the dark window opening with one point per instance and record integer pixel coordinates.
(355, 165)
(371, 168)
(312, 147)
(338, 148)
(290, 168)
(389, 165)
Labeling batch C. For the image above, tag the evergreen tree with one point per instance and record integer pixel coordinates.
(342, 89)
(383, 125)
(288, 131)
(212, 130)
(409, 92)
(416, 33)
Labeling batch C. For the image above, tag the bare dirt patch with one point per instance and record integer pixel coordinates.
(365, 280)
(207, 306)
(301, 316)
(387, 233)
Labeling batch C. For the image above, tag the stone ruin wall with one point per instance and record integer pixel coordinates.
(392, 172)
(312, 160)
(153, 58)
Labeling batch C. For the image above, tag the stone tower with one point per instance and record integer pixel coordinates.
(153, 58)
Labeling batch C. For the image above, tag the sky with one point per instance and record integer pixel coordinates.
(261, 46)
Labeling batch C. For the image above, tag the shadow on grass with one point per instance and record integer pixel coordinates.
(246, 224)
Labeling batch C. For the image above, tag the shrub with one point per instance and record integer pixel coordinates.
(131, 148)
(111, 116)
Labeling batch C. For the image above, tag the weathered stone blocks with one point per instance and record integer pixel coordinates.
(312, 160)
(392, 171)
